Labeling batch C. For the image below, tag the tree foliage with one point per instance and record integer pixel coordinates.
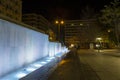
(111, 13)
(87, 13)
(110, 18)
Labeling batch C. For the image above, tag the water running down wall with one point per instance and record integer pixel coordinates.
(20, 46)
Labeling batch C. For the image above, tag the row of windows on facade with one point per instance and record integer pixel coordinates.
(11, 6)
(72, 34)
(80, 24)
(13, 17)
(12, 2)
(75, 29)
(35, 17)
(33, 20)
(11, 9)
(10, 13)
(35, 23)
(30, 18)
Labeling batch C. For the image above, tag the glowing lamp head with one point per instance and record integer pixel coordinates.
(59, 22)
(72, 45)
(62, 22)
(56, 22)
(99, 38)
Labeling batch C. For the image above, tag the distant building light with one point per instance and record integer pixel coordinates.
(109, 30)
(50, 38)
(81, 24)
(97, 45)
(72, 24)
(72, 45)
(98, 38)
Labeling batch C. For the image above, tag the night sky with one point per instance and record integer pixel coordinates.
(64, 9)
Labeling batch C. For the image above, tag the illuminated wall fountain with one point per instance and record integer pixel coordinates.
(20, 46)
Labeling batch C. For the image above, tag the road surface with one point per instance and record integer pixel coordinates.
(89, 65)
(106, 63)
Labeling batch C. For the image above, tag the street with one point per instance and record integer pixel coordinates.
(105, 63)
(93, 65)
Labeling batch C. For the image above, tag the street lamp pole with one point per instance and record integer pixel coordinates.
(59, 32)
(59, 28)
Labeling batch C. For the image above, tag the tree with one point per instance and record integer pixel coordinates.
(88, 13)
(111, 17)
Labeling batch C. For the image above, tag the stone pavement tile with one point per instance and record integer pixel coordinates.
(87, 73)
(72, 69)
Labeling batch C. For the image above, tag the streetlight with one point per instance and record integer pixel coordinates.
(99, 43)
(59, 28)
(59, 22)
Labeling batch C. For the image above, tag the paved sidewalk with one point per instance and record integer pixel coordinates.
(72, 69)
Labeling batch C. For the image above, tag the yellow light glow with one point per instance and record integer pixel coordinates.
(56, 22)
(59, 22)
(98, 38)
(81, 24)
(109, 30)
(50, 38)
(62, 22)
(63, 62)
(72, 45)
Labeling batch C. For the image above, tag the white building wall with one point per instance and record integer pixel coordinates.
(20, 46)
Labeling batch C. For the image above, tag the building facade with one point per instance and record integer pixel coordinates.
(81, 32)
(41, 23)
(36, 20)
(11, 9)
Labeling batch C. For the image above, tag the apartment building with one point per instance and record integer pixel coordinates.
(36, 21)
(11, 9)
(81, 32)
(41, 23)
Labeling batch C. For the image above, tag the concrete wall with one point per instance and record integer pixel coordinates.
(20, 46)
